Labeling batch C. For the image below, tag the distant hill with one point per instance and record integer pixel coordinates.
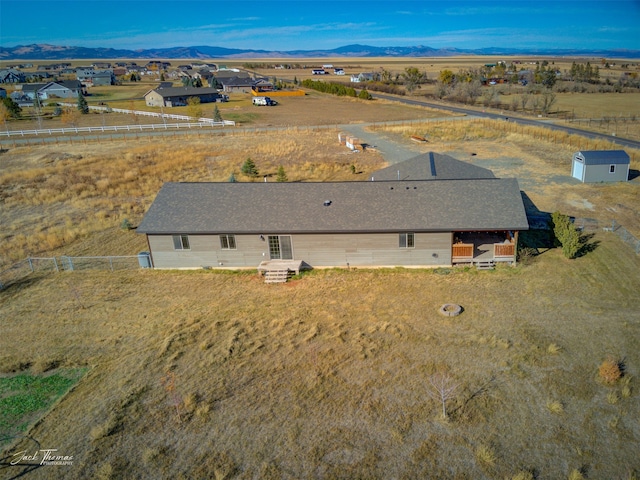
(57, 52)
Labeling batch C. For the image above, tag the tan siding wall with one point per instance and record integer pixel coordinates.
(317, 250)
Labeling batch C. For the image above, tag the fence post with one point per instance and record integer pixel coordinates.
(55, 262)
(30, 264)
(111, 263)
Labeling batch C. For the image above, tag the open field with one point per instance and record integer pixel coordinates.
(312, 109)
(217, 375)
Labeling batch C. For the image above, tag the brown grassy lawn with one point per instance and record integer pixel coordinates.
(326, 376)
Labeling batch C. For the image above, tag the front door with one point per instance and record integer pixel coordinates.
(280, 247)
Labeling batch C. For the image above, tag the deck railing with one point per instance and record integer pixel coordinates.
(503, 250)
(462, 251)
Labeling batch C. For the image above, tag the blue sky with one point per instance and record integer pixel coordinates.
(316, 24)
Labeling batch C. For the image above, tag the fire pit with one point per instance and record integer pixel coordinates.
(450, 310)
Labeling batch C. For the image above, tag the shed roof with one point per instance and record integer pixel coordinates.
(432, 166)
(604, 157)
(355, 207)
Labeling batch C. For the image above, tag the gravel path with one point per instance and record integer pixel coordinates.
(387, 144)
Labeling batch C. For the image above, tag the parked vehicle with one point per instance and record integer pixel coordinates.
(264, 101)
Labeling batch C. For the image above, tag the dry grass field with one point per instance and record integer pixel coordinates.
(216, 375)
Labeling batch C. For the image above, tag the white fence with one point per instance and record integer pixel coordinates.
(115, 128)
(191, 122)
(150, 114)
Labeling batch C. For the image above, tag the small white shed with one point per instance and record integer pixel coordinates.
(600, 166)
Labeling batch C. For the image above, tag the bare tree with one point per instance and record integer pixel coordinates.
(442, 389)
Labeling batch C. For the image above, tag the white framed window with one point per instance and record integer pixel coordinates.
(612, 169)
(228, 242)
(181, 242)
(406, 240)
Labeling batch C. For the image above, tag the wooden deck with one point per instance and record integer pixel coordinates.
(484, 250)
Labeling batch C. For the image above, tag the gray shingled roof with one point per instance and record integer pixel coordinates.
(432, 166)
(182, 91)
(418, 206)
(605, 157)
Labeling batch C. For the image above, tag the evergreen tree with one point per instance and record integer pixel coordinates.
(566, 234)
(232, 178)
(217, 116)
(13, 110)
(249, 168)
(83, 107)
(282, 175)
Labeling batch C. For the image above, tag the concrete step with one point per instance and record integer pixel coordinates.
(276, 276)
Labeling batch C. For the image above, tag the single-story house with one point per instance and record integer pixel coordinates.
(411, 223)
(178, 96)
(62, 89)
(28, 91)
(600, 166)
(45, 91)
(236, 83)
(362, 77)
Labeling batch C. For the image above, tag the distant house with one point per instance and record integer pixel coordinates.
(28, 92)
(11, 75)
(338, 71)
(261, 86)
(157, 65)
(362, 77)
(600, 166)
(235, 83)
(440, 220)
(90, 77)
(47, 91)
(318, 71)
(36, 76)
(179, 96)
(62, 89)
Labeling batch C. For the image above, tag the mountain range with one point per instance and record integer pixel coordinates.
(57, 52)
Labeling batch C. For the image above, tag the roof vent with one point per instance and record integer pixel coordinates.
(327, 203)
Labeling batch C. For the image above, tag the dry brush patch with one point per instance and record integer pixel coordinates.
(329, 373)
